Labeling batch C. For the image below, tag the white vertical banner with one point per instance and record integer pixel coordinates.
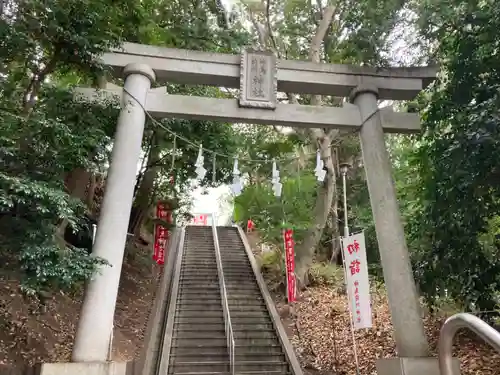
(358, 286)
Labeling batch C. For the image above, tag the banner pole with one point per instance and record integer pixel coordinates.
(344, 168)
(351, 316)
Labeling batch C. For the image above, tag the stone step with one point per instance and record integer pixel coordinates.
(247, 314)
(197, 327)
(209, 342)
(214, 334)
(252, 308)
(212, 290)
(194, 293)
(245, 287)
(220, 333)
(198, 343)
(235, 320)
(198, 366)
(192, 267)
(241, 276)
(201, 260)
(209, 284)
(200, 305)
(251, 293)
(260, 373)
(190, 292)
(198, 313)
(212, 366)
(246, 302)
(222, 355)
(244, 297)
(212, 300)
(269, 365)
(201, 308)
(200, 278)
(251, 350)
(186, 351)
(243, 352)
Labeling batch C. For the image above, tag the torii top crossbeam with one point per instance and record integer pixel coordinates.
(298, 77)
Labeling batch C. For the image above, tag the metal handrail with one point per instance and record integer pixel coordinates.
(223, 293)
(449, 330)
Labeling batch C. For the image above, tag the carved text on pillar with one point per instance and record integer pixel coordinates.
(258, 79)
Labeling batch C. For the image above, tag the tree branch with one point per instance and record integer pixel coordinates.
(269, 29)
(261, 32)
(317, 40)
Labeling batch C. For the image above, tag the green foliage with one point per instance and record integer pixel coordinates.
(271, 261)
(62, 35)
(46, 135)
(191, 24)
(270, 214)
(326, 274)
(36, 152)
(272, 266)
(457, 158)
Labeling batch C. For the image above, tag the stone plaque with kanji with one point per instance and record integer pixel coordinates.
(258, 79)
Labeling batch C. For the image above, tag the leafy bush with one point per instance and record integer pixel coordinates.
(325, 274)
(36, 152)
(272, 265)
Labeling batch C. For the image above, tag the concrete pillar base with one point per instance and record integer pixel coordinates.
(87, 368)
(412, 366)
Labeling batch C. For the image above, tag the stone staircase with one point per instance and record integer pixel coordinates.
(258, 348)
(198, 343)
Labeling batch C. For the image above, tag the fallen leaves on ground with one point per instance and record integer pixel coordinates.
(319, 328)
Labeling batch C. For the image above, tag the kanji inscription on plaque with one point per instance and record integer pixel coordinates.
(258, 79)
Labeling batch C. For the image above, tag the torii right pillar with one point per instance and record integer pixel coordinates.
(411, 343)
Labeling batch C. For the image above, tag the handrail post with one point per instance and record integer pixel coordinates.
(223, 292)
(449, 330)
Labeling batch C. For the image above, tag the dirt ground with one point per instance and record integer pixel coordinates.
(29, 334)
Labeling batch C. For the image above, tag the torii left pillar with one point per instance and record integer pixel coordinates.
(93, 337)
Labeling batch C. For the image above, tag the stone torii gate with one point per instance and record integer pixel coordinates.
(259, 76)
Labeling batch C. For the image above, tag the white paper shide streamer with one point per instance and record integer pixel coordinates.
(319, 172)
(200, 171)
(236, 187)
(277, 186)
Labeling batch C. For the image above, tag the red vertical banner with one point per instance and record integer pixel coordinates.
(291, 285)
(161, 233)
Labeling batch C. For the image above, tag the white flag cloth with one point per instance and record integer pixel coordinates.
(358, 286)
(236, 187)
(277, 186)
(200, 171)
(319, 172)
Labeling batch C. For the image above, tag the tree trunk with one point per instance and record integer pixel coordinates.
(91, 192)
(326, 193)
(336, 248)
(144, 198)
(76, 184)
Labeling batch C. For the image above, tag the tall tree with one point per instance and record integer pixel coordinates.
(51, 144)
(459, 155)
(335, 32)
